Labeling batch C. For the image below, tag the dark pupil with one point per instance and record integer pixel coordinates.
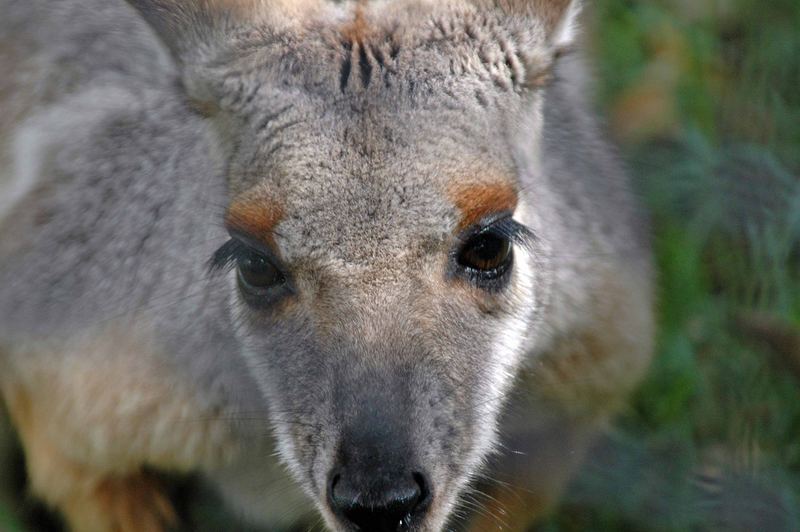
(257, 271)
(485, 252)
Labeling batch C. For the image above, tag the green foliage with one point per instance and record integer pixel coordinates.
(8, 519)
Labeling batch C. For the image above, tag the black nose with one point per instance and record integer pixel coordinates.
(381, 505)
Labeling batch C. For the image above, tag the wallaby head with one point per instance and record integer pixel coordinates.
(383, 262)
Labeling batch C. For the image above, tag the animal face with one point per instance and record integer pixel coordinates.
(383, 259)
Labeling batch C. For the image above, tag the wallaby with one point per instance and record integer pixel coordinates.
(309, 249)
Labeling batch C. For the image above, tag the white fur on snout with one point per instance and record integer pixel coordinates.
(284, 447)
(509, 342)
(509, 346)
(283, 440)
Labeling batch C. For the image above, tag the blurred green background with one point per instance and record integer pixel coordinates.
(703, 98)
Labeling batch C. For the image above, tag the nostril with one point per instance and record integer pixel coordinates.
(396, 507)
(334, 501)
(392, 513)
(424, 490)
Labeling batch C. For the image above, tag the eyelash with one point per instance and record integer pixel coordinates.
(505, 227)
(227, 256)
(230, 253)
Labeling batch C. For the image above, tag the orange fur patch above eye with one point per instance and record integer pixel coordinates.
(256, 216)
(476, 201)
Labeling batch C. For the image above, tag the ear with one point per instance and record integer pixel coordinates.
(562, 22)
(557, 18)
(190, 27)
(543, 30)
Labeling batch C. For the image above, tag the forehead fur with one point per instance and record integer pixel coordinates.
(357, 48)
(366, 122)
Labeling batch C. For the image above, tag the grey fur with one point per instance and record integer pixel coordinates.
(359, 142)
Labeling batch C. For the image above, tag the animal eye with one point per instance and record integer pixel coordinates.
(486, 255)
(257, 274)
